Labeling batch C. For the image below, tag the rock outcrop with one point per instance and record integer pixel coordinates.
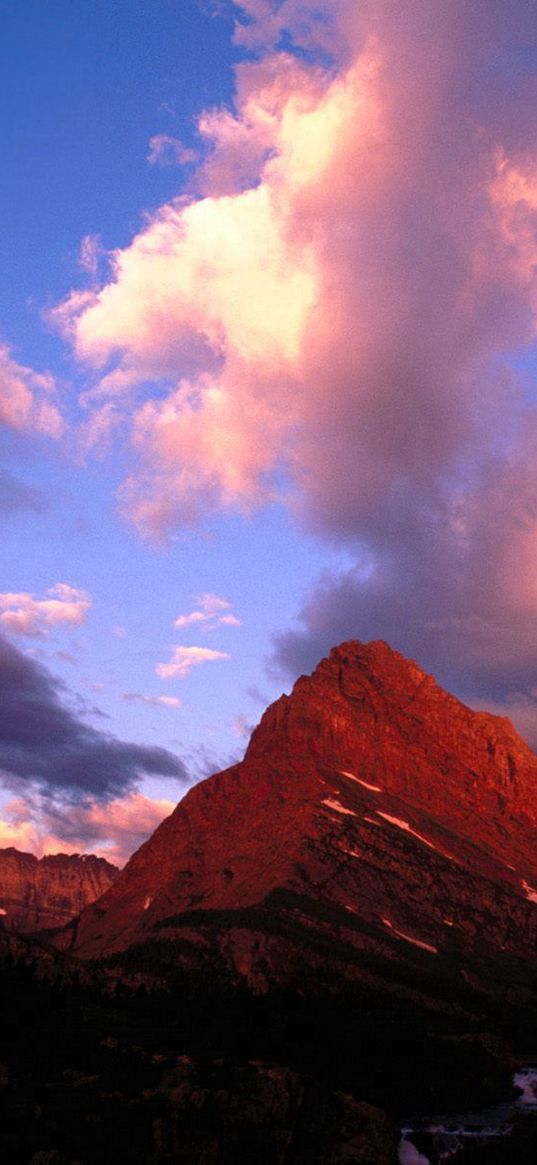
(39, 894)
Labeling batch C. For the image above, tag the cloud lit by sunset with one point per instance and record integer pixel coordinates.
(297, 369)
(112, 831)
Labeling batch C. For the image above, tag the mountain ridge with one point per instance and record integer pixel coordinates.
(375, 821)
(41, 893)
(348, 916)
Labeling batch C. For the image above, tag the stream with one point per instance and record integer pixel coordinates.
(438, 1139)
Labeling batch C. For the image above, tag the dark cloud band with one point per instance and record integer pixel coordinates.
(43, 742)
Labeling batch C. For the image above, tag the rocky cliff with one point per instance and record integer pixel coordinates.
(37, 894)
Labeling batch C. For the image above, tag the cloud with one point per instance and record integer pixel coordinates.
(27, 398)
(453, 602)
(242, 726)
(185, 658)
(112, 831)
(310, 24)
(16, 827)
(23, 614)
(45, 745)
(165, 150)
(152, 701)
(330, 322)
(16, 496)
(66, 657)
(204, 761)
(218, 287)
(211, 611)
(91, 251)
(339, 314)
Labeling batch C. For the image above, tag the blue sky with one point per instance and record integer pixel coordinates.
(85, 87)
(280, 282)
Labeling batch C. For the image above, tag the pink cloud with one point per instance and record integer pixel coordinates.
(185, 658)
(91, 251)
(20, 834)
(370, 273)
(165, 150)
(23, 614)
(112, 830)
(188, 620)
(336, 309)
(27, 398)
(241, 726)
(211, 611)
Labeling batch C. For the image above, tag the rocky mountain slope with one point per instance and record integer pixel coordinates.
(377, 829)
(37, 894)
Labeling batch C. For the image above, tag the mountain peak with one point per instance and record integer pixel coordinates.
(367, 792)
(362, 698)
(375, 661)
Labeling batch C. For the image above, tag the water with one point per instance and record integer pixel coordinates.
(447, 1134)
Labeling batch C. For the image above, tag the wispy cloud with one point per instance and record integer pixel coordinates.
(90, 254)
(242, 726)
(27, 398)
(16, 496)
(210, 611)
(152, 701)
(185, 658)
(23, 614)
(165, 150)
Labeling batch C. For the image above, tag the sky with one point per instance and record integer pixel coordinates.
(268, 325)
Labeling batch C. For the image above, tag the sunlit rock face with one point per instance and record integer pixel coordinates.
(377, 830)
(37, 894)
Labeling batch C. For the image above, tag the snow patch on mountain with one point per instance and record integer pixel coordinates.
(409, 939)
(530, 892)
(338, 808)
(366, 785)
(407, 828)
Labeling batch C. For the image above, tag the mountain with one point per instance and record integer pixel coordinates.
(332, 936)
(377, 829)
(38, 894)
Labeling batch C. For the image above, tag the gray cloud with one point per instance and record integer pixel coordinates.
(419, 451)
(15, 496)
(44, 743)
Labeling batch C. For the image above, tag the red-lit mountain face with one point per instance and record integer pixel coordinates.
(37, 894)
(376, 829)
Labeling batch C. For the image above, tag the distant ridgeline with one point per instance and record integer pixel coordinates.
(39, 894)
